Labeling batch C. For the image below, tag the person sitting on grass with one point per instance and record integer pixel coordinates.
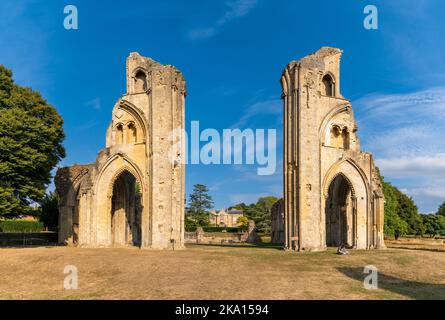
(342, 249)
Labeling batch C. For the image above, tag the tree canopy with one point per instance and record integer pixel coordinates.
(49, 210)
(401, 213)
(199, 205)
(434, 224)
(31, 136)
(394, 224)
(441, 210)
(260, 212)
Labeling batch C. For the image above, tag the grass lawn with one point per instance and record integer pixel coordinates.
(219, 272)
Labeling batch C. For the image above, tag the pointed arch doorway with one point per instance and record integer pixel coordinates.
(126, 211)
(340, 213)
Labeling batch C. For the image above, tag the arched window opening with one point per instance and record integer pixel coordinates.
(336, 137)
(345, 138)
(119, 134)
(339, 138)
(132, 133)
(327, 87)
(140, 82)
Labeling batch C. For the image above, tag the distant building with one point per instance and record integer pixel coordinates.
(27, 218)
(225, 218)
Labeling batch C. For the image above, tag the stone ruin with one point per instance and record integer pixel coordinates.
(133, 195)
(332, 191)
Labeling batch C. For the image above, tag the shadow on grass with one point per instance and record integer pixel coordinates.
(408, 288)
(262, 245)
(420, 249)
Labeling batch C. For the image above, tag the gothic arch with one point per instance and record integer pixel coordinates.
(337, 135)
(138, 70)
(128, 165)
(119, 133)
(137, 115)
(125, 208)
(106, 178)
(336, 169)
(340, 212)
(140, 80)
(327, 85)
(351, 186)
(132, 133)
(123, 180)
(69, 202)
(360, 189)
(119, 173)
(329, 116)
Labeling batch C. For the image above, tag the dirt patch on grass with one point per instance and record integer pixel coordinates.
(219, 272)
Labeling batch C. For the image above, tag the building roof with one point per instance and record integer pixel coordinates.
(224, 212)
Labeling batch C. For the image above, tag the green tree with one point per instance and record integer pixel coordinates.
(199, 205)
(49, 210)
(260, 212)
(31, 136)
(394, 225)
(243, 222)
(434, 224)
(441, 210)
(401, 213)
(408, 212)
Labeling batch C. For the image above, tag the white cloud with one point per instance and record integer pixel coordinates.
(202, 33)
(94, 103)
(431, 101)
(400, 125)
(235, 9)
(272, 107)
(406, 133)
(428, 198)
(420, 166)
(421, 177)
(431, 192)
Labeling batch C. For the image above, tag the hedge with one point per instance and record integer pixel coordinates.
(213, 229)
(10, 226)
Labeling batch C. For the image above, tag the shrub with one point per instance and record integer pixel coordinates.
(50, 211)
(220, 229)
(190, 228)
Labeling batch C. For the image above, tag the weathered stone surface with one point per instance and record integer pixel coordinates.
(332, 194)
(134, 193)
(250, 236)
(277, 225)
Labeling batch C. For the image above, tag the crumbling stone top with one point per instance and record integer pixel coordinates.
(317, 58)
(149, 62)
(66, 177)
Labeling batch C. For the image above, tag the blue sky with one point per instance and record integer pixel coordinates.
(232, 54)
